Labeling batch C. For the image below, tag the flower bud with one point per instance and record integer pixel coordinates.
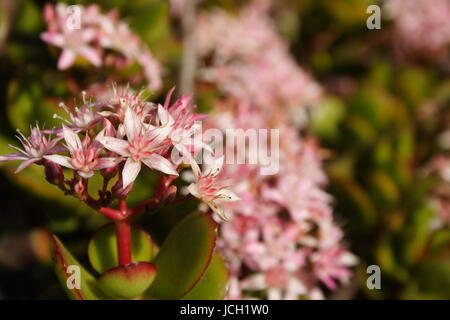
(77, 186)
(169, 194)
(109, 173)
(53, 173)
(118, 191)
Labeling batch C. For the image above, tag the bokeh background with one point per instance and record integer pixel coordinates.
(377, 107)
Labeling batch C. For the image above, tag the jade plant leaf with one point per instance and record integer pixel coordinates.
(102, 249)
(129, 281)
(213, 284)
(183, 257)
(66, 273)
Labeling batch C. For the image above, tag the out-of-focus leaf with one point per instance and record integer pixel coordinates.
(414, 85)
(29, 18)
(213, 284)
(415, 234)
(102, 249)
(386, 258)
(184, 257)
(348, 13)
(384, 189)
(64, 262)
(326, 118)
(151, 21)
(359, 129)
(383, 153)
(129, 281)
(374, 105)
(356, 203)
(430, 280)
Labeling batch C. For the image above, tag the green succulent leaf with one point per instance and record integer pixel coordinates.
(102, 249)
(213, 284)
(66, 273)
(129, 281)
(184, 257)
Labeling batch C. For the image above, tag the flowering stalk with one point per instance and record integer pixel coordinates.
(123, 231)
(117, 136)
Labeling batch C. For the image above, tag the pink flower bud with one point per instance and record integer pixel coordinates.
(169, 194)
(53, 173)
(77, 186)
(118, 191)
(109, 173)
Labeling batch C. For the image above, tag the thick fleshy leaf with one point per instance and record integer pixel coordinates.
(129, 281)
(102, 249)
(183, 257)
(66, 267)
(213, 284)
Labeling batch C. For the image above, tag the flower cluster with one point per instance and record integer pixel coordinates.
(422, 27)
(249, 60)
(281, 241)
(99, 38)
(116, 137)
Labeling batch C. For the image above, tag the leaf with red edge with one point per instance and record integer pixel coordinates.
(213, 284)
(129, 281)
(64, 262)
(184, 257)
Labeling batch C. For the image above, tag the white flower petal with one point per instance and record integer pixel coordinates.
(72, 140)
(164, 116)
(130, 171)
(227, 195)
(13, 156)
(132, 124)
(107, 162)
(213, 165)
(193, 189)
(86, 175)
(116, 145)
(25, 164)
(195, 168)
(61, 160)
(66, 59)
(217, 210)
(157, 162)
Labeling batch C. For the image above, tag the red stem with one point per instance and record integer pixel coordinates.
(123, 232)
(111, 213)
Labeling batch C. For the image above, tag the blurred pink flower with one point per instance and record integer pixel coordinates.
(250, 61)
(97, 32)
(73, 42)
(422, 27)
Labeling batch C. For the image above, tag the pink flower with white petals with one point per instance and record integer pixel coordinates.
(84, 155)
(208, 189)
(119, 99)
(82, 118)
(142, 146)
(73, 42)
(35, 147)
(180, 123)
